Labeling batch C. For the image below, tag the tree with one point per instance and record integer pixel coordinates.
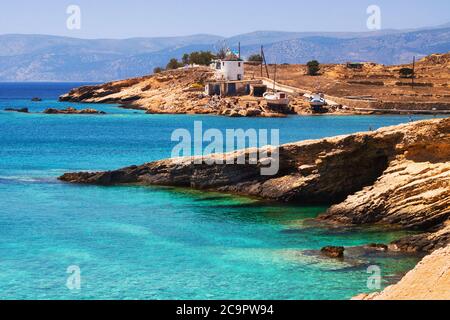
(203, 58)
(158, 70)
(255, 58)
(406, 73)
(173, 64)
(185, 59)
(313, 67)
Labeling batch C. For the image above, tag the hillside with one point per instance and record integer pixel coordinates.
(380, 82)
(51, 58)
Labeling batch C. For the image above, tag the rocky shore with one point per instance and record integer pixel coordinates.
(398, 177)
(171, 92)
(182, 92)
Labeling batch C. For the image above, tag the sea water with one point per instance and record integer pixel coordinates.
(133, 242)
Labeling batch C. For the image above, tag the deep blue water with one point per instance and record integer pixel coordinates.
(158, 243)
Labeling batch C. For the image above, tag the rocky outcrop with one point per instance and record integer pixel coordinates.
(333, 252)
(437, 237)
(20, 110)
(72, 111)
(397, 176)
(413, 193)
(430, 280)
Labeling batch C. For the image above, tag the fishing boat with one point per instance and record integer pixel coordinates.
(276, 98)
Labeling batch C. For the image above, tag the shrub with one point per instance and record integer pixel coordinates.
(255, 58)
(185, 59)
(158, 70)
(313, 67)
(203, 58)
(173, 64)
(197, 87)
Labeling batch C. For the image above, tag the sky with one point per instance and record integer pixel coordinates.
(149, 18)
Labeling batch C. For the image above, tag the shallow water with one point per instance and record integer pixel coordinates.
(158, 243)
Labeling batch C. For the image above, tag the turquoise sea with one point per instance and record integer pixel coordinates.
(159, 243)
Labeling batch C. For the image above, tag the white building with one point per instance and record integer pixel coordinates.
(229, 69)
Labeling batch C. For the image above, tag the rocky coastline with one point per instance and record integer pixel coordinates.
(398, 177)
(171, 92)
(182, 92)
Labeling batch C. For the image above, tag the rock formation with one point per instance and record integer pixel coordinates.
(333, 252)
(20, 110)
(72, 111)
(397, 176)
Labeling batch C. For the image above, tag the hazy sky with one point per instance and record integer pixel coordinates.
(136, 18)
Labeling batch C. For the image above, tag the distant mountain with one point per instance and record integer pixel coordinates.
(52, 58)
(393, 48)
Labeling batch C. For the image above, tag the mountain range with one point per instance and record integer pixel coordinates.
(54, 58)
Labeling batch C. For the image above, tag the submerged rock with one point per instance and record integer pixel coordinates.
(430, 280)
(36, 99)
(333, 252)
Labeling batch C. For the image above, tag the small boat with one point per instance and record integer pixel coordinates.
(317, 100)
(276, 98)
